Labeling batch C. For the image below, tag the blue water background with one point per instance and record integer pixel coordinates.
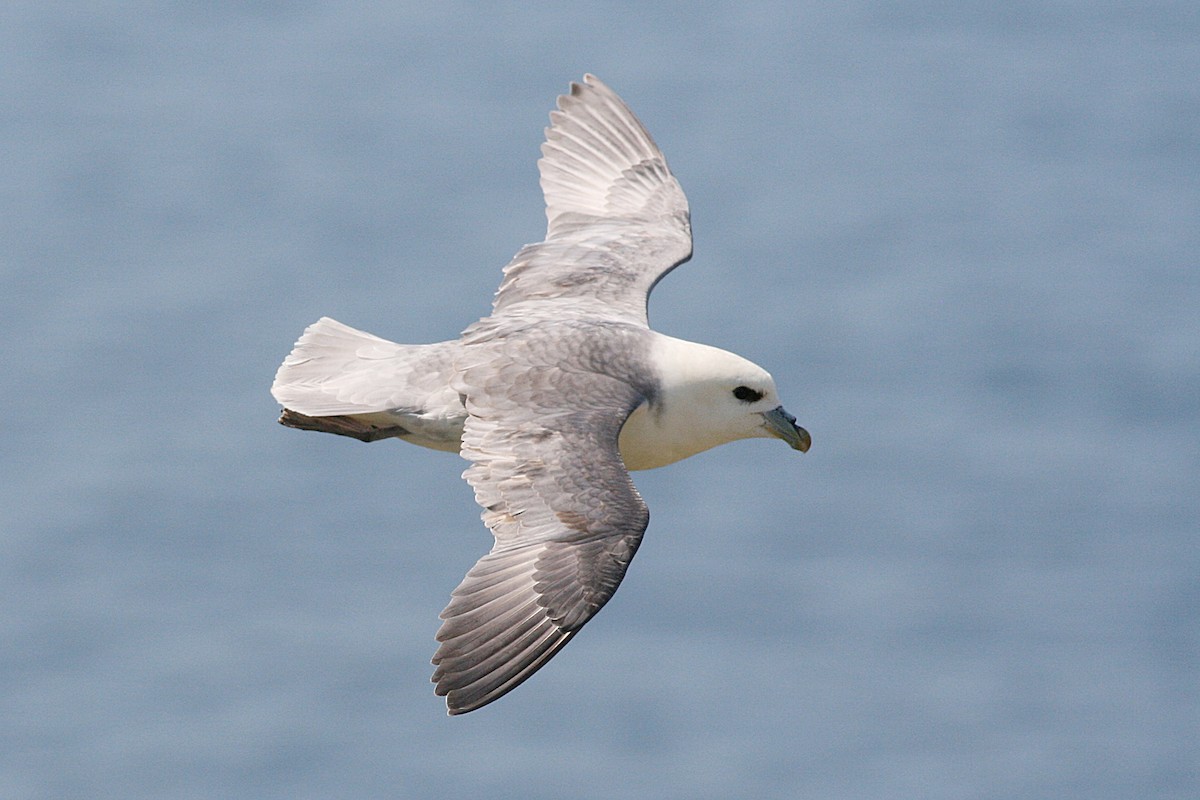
(962, 236)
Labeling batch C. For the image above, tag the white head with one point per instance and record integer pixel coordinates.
(708, 397)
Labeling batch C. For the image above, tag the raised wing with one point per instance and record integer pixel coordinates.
(617, 219)
(566, 517)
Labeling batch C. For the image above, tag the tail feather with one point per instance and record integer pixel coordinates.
(345, 381)
(335, 369)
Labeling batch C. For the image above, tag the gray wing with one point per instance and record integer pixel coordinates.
(617, 219)
(566, 517)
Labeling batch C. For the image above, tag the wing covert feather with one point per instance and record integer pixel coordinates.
(542, 437)
(617, 220)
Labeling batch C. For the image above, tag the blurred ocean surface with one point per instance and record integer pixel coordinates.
(962, 236)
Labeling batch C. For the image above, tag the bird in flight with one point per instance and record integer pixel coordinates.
(552, 398)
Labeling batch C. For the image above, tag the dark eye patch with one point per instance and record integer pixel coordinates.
(747, 395)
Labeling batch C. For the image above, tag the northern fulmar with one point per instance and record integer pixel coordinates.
(552, 398)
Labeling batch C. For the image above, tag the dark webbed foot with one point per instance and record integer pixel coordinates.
(342, 425)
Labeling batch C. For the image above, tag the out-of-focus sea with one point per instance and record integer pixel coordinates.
(962, 236)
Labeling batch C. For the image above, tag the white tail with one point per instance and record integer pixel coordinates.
(336, 369)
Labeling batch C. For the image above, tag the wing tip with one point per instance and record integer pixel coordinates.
(495, 684)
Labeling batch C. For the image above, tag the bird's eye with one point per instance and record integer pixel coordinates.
(747, 395)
